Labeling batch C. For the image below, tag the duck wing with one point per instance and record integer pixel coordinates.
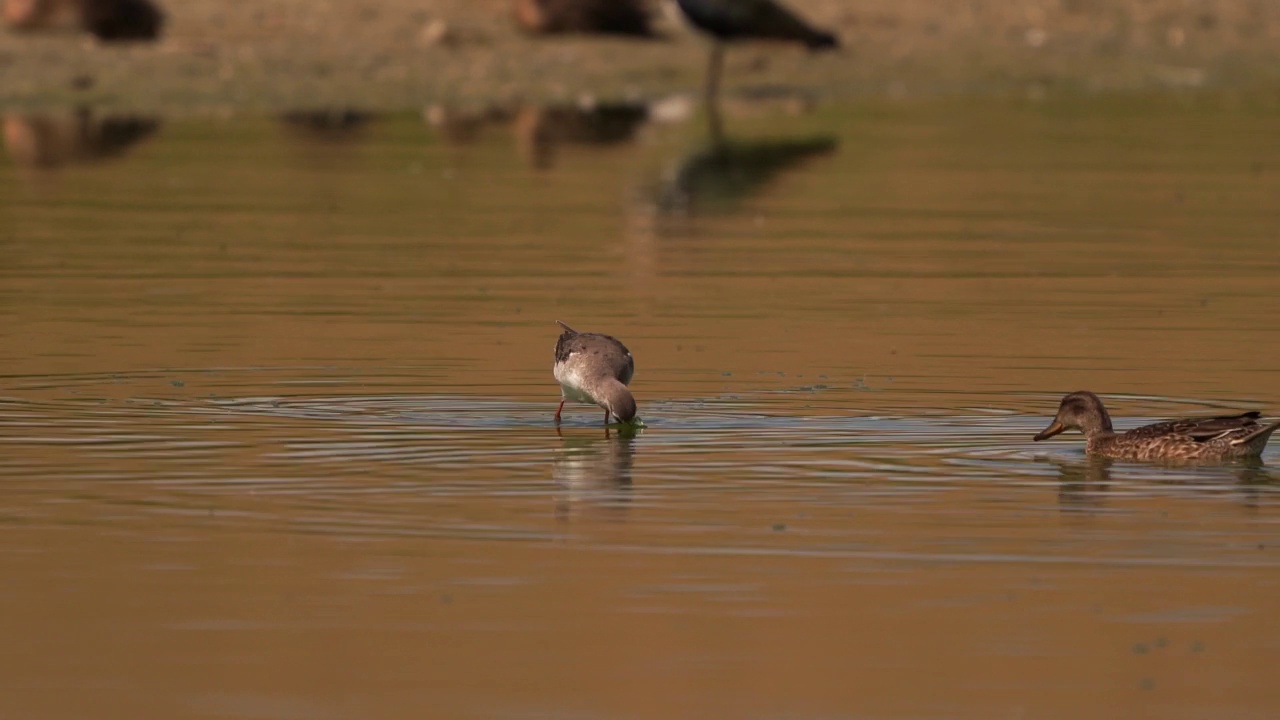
(1200, 429)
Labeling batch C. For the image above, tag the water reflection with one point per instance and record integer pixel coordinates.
(241, 394)
(716, 178)
(593, 472)
(541, 130)
(1253, 472)
(327, 126)
(458, 126)
(1085, 483)
(1082, 484)
(49, 141)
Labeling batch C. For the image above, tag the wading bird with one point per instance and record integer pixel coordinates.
(732, 20)
(594, 369)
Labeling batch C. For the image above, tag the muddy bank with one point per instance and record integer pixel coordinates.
(396, 54)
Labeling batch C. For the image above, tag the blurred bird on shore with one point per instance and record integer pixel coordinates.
(611, 17)
(107, 20)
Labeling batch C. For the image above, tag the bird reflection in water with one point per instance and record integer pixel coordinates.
(1256, 482)
(45, 141)
(717, 177)
(593, 474)
(541, 130)
(1083, 484)
(459, 126)
(329, 127)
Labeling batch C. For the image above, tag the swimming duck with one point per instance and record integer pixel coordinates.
(1210, 438)
(594, 369)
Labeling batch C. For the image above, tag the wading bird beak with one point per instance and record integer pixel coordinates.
(1050, 431)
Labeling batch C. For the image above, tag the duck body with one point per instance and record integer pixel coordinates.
(1225, 437)
(594, 369)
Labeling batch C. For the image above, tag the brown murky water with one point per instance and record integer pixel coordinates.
(276, 438)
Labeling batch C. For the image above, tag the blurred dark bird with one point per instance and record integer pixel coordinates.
(613, 17)
(38, 14)
(728, 20)
(331, 125)
(731, 20)
(118, 20)
(108, 20)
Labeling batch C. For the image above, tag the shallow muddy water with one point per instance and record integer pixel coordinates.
(276, 433)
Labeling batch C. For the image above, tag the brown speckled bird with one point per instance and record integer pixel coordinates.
(594, 369)
(1211, 438)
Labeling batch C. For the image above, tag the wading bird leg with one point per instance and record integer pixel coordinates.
(712, 97)
(714, 65)
(558, 411)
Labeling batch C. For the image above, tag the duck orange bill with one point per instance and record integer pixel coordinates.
(1050, 431)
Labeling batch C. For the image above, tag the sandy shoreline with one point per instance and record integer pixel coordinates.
(399, 55)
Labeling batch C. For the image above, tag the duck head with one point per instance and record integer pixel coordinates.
(1081, 411)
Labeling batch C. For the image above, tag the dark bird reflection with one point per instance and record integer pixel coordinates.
(333, 126)
(457, 126)
(716, 178)
(123, 20)
(541, 130)
(45, 141)
(593, 473)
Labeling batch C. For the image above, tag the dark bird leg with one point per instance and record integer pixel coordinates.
(714, 125)
(715, 65)
(558, 410)
(606, 417)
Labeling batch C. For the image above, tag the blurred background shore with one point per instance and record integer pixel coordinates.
(274, 55)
